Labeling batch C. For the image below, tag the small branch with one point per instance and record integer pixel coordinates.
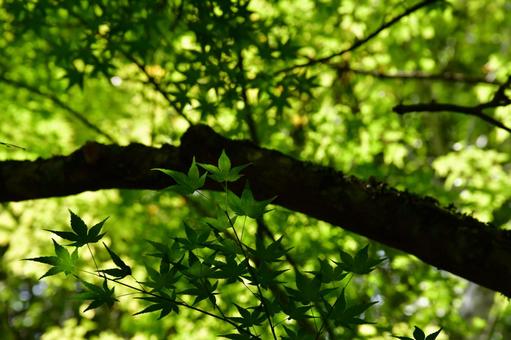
(361, 42)
(179, 303)
(306, 326)
(499, 99)
(9, 145)
(249, 118)
(77, 115)
(475, 111)
(419, 75)
(254, 277)
(140, 66)
(157, 86)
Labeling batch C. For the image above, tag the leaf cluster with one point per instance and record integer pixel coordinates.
(211, 258)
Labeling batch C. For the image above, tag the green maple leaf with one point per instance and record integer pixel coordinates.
(418, 334)
(100, 295)
(62, 262)
(360, 263)
(80, 234)
(122, 269)
(345, 315)
(223, 172)
(327, 273)
(186, 184)
(221, 222)
(75, 77)
(167, 277)
(246, 205)
(230, 270)
(165, 303)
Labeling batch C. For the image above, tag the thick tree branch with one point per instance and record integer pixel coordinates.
(416, 225)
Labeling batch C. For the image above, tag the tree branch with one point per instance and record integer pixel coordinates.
(249, 118)
(499, 99)
(361, 42)
(9, 145)
(417, 225)
(140, 66)
(475, 111)
(157, 86)
(419, 75)
(77, 115)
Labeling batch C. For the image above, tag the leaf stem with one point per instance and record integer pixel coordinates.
(179, 303)
(254, 277)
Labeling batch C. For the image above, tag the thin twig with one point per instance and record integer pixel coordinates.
(179, 303)
(254, 277)
(9, 145)
(325, 319)
(361, 42)
(157, 86)
(141, 67)
(264, 229)
(249, 118)
(80, 117)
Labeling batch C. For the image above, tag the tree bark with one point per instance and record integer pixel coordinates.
(417, 225)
